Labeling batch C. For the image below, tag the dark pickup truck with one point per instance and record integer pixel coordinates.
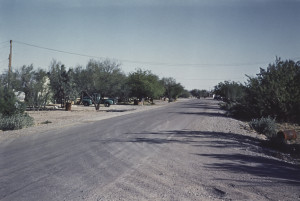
(87, 101)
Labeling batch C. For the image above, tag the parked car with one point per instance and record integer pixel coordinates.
(87, 101)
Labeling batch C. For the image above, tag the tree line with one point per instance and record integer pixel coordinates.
(60, 84)
(274, 92)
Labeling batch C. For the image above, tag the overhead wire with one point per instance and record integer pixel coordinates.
(196, 65)
(149, 62)
(3, 60)
(2, 47)
(208, 78)
(61, 51)
(4, 42)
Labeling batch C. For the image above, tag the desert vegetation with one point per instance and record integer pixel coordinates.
(12, 112)
(267, 100)
(61, 84)
(274, 92)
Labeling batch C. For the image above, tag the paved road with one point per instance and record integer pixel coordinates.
(183, 151)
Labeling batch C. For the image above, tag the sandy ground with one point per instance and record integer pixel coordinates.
(47, 120)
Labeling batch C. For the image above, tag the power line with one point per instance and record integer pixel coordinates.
(208, 78)
(55, 50)
(6, 46)
(150, 62)
(132, 61)
(5, 42)
(4, 60)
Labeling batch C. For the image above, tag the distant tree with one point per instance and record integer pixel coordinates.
(144, 84)
(204, 93)
(199, 93)
(24, 81)
(125, 91)
(82, 79)
(104, 77)
(62, 83)
(172, 88)
(195, 93)
(185, 94)
(231, 91)
(33, 84)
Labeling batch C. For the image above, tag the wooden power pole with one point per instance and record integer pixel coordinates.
(10, 57)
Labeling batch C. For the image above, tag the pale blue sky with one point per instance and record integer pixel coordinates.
(199, 43)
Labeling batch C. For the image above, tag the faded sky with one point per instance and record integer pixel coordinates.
(199, 43)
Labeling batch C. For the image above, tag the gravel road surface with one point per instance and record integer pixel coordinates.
(183, 151)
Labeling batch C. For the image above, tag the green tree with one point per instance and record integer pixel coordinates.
(195, 93)
(12, 114)
(24, 81)
(34, 84)
(83, 80)
(185, 94)
(144, 84)
(204, 93)
(104, 77)
(62, 83)
(231, 91)
(172, 89)
(9, 105)
(275, 91)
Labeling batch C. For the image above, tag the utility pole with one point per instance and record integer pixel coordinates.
(9, 64)
(10, 56)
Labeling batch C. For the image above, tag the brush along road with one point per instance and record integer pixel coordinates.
(183, 151)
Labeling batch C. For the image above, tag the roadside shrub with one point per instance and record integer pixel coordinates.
(230, 91)
(275, 91)
(266, 126)
(226, 106)
(9, 104)
(15, 121)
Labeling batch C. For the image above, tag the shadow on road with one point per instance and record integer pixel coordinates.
(202, 105)
(198, 138)
(269, 168)
(208, 114)
(260, 163)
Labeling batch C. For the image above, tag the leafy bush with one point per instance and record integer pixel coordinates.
(226, 106)
(266, 126)
(230, 91)
(8, 102)
(273, 92)
(12, 111)
(15, 121)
